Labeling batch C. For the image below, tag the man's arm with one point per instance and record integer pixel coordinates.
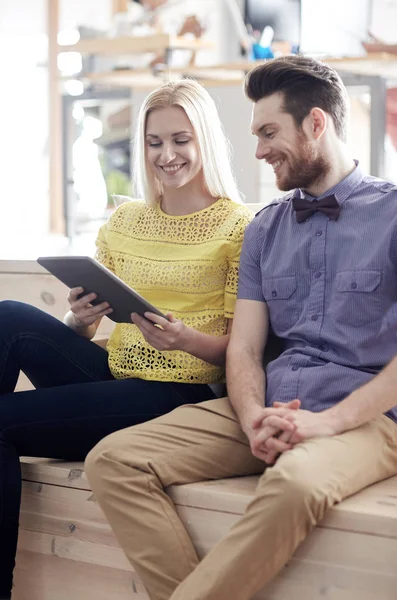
(246, 382)
(244, 370)
(367, 402)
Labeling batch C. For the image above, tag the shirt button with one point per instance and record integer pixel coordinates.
(295, 368)
(353, 285)
(317, 275)
(314, 317)
(274, 294)
(319, 232)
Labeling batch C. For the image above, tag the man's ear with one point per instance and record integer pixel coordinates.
(315, 124)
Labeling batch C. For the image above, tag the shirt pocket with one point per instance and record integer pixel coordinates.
(358, 297)
(280, 294)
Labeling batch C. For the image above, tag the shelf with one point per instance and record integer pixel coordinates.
(135, 44)
(145, 79)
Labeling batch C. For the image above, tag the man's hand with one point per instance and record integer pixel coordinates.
(274, 427)
(306, 425)
(273, 430)
(309, 424)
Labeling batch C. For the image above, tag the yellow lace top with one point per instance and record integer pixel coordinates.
(186, 265)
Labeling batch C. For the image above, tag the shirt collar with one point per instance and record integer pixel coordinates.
(341, 190)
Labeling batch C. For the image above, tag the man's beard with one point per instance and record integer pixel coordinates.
(306, 170)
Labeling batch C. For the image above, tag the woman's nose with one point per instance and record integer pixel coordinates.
(168, 153)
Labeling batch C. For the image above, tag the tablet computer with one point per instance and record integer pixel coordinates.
(88, 273)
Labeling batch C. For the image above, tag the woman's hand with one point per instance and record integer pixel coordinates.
(161, 333)
(84, 313)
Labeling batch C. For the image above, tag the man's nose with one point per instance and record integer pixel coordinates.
(262, 150)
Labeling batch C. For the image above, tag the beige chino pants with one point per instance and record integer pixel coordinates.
(129, 470)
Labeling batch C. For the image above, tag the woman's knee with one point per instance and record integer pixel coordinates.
(14, 314)
(9, 308)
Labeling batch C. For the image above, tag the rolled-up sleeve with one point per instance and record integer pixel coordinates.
(250, 277)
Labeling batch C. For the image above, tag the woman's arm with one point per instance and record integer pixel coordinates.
(210, 348)
(173, 334)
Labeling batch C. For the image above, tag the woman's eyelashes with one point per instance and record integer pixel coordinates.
(158, 144)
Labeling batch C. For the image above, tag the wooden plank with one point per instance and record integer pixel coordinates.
(317, 581)
(352, 549)
(71, 548)
(331, 564)
(223, 495)
(54, 472)
(43, 577)
(41, 290)
(21, 266)
(62, 502)
(373, 510)
(60, 526)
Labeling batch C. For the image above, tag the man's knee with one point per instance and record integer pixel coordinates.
(300, 493)
(108, 453)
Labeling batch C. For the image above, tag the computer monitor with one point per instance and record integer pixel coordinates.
(283, 16)
(338, 29)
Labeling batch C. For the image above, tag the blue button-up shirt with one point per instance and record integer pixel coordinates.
(331, 290)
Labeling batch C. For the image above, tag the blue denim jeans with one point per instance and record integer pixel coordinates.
(76, 403)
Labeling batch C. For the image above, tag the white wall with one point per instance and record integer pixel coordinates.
(23, 117)
(337, 28)
(24, 204)
(384, 20)
(92, 13)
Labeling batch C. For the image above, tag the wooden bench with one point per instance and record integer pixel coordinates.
(67, 551)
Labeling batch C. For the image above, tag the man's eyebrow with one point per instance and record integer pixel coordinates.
(173, 135)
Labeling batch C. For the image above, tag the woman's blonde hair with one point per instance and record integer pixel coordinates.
(213, 145)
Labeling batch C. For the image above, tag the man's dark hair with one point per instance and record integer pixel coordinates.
(304, 83)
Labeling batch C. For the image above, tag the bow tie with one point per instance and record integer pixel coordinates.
(305, 209)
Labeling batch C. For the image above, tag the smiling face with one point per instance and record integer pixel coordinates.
(172, 152)
(296, 159)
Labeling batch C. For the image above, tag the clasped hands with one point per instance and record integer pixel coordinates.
(277, 429)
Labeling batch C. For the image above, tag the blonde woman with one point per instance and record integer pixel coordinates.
(179, 247)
